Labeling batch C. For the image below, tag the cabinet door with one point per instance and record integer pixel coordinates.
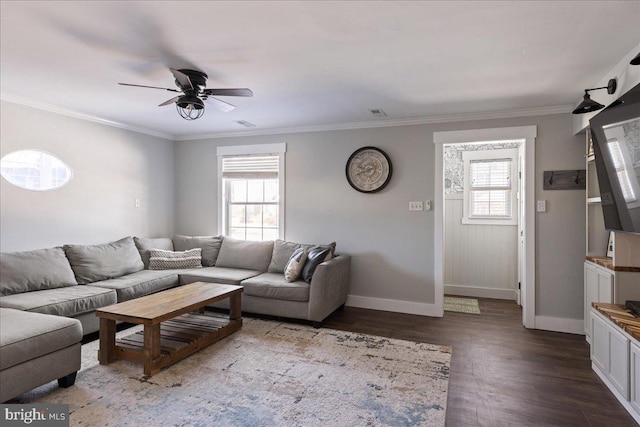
(634, 392)
(605, 286)
(599, 343)
(619, 361)
(590, 294)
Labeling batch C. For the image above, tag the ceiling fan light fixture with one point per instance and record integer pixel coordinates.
(190, 107)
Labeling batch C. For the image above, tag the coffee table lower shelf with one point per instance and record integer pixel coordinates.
(179, 337)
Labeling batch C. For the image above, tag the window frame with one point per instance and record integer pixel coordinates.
(279, 150)
(485, 155)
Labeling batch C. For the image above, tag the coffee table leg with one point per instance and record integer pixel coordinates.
(107, 352)
(151, 349)
(235, 304)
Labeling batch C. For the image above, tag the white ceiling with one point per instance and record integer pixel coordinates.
(310, 64)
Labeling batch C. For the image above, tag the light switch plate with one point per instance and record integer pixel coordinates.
(416, 206)
(427, 205)
(541, 206)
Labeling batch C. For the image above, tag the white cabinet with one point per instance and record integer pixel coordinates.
(598, 287)
(634, 375)
(615, 357)
(607, 286)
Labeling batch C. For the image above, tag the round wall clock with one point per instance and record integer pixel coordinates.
(369, 169)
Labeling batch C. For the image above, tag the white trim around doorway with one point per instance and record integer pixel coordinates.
(527, 134)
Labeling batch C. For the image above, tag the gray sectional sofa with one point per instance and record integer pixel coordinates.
(74, 280)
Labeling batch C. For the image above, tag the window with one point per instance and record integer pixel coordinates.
(35, 170)
(490, 187)
(251, 206)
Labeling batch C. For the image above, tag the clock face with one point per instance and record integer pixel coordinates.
(369, 169)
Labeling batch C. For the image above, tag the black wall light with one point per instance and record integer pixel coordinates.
(588, 105)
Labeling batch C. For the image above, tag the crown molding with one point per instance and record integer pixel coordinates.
(449, 118)
(28, 102)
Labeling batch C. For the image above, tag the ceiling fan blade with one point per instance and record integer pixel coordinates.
(150, 87)
(229, 92)
(219, 104)
(181, 77)
(170, 101)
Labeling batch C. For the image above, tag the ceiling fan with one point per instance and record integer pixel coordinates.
(191, 84)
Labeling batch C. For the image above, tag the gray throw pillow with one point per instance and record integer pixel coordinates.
(282, 251)
(34, 271)
(245, 254)
(210, 246)
(315, 257)
(167, 260)
(144, 245)
(92, 263)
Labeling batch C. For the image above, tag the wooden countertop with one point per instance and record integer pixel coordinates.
(607, 263)
(622, 317)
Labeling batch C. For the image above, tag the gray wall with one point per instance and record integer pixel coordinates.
(112, 167)
(392, 248)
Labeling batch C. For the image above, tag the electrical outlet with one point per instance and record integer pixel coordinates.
(416, 206)
(136, 203)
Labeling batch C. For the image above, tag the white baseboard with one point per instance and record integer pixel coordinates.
(398, 306)
(560, 324)
(477, 292)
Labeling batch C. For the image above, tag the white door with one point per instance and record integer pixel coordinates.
(521, 213)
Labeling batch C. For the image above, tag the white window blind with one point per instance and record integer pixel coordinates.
(621, 169)
(250, 167)
(490, 188)
(251, 203)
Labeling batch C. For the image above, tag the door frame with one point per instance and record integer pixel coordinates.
(527, 135)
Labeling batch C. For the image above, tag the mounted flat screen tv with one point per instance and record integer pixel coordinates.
(616, 145)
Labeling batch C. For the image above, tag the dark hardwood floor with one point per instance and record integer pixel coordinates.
(501, 373)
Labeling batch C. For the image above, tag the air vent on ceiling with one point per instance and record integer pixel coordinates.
(378, 112)
(245, 123)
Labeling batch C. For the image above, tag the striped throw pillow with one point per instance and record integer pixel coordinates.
(167, 260)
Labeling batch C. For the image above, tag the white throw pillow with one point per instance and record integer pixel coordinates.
(293, 269)
(168, 260)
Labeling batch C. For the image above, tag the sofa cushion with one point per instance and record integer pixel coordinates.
(294, 266)
(274, 286)
(34, 270)
(315, 257)
(169, 260)
(227, 276)
(245, 254)
(210, 246)
(92, 263)
(140, 283)
(144, 245)
(70, 301)
(25, 336)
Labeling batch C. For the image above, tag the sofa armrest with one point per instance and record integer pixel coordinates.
(329, 287)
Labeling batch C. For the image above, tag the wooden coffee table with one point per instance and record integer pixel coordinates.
(172, 328)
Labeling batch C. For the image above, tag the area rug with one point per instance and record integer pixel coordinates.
(461, 305)
(267, 374)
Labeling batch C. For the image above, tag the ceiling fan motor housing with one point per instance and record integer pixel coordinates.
(198, 80)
